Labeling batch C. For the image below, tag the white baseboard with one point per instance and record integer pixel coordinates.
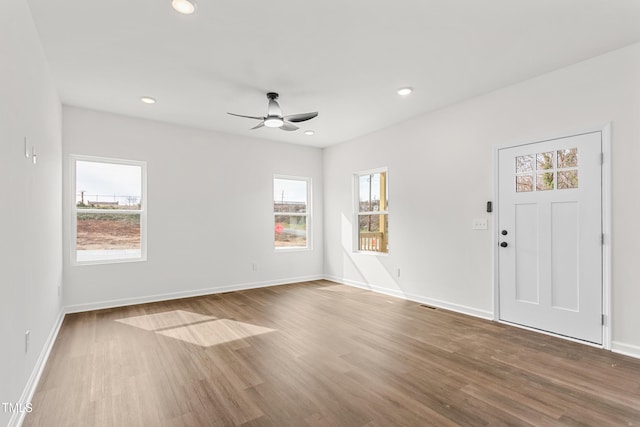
(77, 308)
(463, 309)
(30, 388)
(626, 349)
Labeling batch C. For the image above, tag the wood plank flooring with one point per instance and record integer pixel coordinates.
(321, 354)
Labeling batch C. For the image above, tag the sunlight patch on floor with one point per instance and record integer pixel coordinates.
(194, 328)
(341, 288)
(215, 332)
(168, 319)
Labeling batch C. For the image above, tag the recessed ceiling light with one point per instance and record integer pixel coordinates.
(185, 7)
(148, 100)
(404, 91)
(309, 132)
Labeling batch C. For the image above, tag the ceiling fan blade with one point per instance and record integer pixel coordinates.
(289, 126)
(274, 108)
(300, 117)
(259, 125)
(247, 117)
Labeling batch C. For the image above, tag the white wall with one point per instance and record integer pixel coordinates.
(31, 245)
(210, 215)
(441, 175)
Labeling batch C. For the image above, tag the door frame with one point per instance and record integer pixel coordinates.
(606, 228)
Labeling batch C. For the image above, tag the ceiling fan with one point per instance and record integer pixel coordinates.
(274, 118)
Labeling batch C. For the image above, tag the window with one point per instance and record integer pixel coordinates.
(372, 211)
(109, 214)
(291, 212)
(541, 168)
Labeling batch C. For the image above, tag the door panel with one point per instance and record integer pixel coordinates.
(526, 228)
(564, 255)
(550, 270)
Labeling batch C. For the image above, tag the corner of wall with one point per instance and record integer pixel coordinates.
(30, 388)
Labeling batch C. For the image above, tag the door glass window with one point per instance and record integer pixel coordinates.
(524, 164)
(568, 158)
(524, 183)
(543, 175)
(544, 181)
(567, 179)
(544, 161)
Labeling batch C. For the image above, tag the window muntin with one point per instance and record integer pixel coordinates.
(554, 170)
(372, 211)
(291, 212)
(109, 214)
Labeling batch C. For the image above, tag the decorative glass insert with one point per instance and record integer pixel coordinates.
(568, 158)
(544, 181)
(542, 174)
(524, 183)
(544, 161)
(567, 179)
(524, 164)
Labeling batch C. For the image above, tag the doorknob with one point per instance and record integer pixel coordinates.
(504, 244)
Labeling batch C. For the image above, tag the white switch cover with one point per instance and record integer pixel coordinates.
(480, 224)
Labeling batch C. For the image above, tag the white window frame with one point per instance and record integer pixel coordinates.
(357, 213)
(74, 158)
(308, 214)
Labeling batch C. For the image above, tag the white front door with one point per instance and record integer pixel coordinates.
(550, 235)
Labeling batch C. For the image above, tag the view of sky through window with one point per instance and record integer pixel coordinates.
(287, 190)
(369, 187)
(106, 181)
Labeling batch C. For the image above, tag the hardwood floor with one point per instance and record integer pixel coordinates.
(321, 354)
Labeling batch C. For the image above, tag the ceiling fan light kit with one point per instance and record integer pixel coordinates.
(274, 118)
(273, 122)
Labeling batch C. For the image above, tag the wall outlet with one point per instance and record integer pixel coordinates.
(480, 224)
(398, 273)
(59, 290)
(27, 336)
(254, 266)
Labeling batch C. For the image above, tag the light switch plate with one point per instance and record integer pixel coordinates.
(480, 224)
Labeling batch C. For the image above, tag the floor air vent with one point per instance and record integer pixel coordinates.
(428, 306)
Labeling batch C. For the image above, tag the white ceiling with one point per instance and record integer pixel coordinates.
(342, 58)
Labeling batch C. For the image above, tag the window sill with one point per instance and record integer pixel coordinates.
(284, 250)
(371, 253)
(94, 257)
